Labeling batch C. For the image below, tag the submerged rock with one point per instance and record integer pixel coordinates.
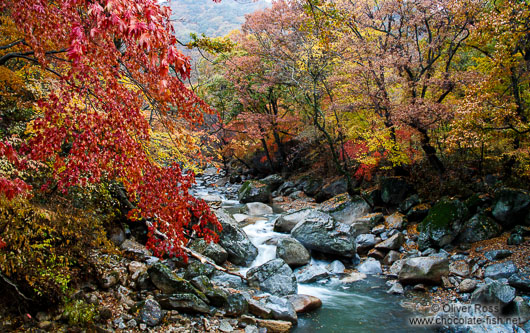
(274, 276)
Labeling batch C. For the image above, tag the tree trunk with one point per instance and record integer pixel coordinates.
(430, 152)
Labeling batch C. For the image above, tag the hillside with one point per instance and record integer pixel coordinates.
(208, 17)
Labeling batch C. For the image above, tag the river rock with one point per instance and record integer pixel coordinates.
(497, 254)
(510, 205)
(292, 252)
(310, 185)
(197, 268)
(168, 282)
(273, 181)
(365, 242)
(286, 188)
(520, 282)
(258, 308)
(311, 273)
(423, 270)
(467, 285)
(132, 248)
(480, 227)
(329, 191)
(493, 292)
(281, 308)
(258, 208)
(353, 277)
(227, 280)
(459, 267)
(183, 302)
(394, 190)
(408, 203)
(271, 326)
(235, 241)
(392, 243)
(391, 257)
(274, 276)
(320, 232)
(151, 313)
(443, 223)
(336, 267)
(396, 289)
(370, 267)
(286, 222)
(396, 267)
(395, 221)
(350, 212)
(304, 303)
(501, 270)
(236, 305)
(254, 191)
(376, 254)
(418, 212)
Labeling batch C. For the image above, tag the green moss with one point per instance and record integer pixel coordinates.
(443, 214)
(79, 313)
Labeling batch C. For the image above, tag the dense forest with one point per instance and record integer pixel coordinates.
(309, 145)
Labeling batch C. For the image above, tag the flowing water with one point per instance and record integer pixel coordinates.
(362, 306)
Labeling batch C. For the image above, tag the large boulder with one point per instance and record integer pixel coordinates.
(292, 252)
(258, 208)
(423, 270)
(286, 222)
(310, 185)
(320, 232)
(511, 206)
(365, 242)
(502, 270)
(213, 251)
(281, 308)
(493, 292)
(480, 227)
(370, 267)
(273, 181)
(168, 282)
(274, 276)
(235, 241)
(394, 190)
(350, 212)
(329, 191)
(255, 191)
(443, 224)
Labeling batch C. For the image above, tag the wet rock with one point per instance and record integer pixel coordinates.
(423, 270)
(467, 285)
(151, 313)
(459, 267)
(394, 190)
(392, 243)
(235, 241)
(501, 270)
(304, 303)
(353, 277)
(197, 268)
(187, 303)
(292, 252)
(395, 221)
(273, 181)
(396, 267)
(254, 191)
(391, 257)
(351, 212)
(213, 251)
(311, 273)
(274, 276)
(168, 282)
(365, 242)
(227, 280)
(493, 292)
(510, 205)
(258, 208)
(329, 191)
(408, 203)
(281, 308)
(287, 222)
(480, 227)
(320, 232)
(336, 267)
(497, 254)
(396, 289)
(443, 223)
(520, 282)
(418, 212)
(370, 267)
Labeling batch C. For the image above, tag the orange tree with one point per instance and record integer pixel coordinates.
(106, 65)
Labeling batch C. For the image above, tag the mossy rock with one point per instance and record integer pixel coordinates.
(168, 282)
(255, 191)
(443, 223)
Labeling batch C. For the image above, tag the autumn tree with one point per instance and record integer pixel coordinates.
(107, 66)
